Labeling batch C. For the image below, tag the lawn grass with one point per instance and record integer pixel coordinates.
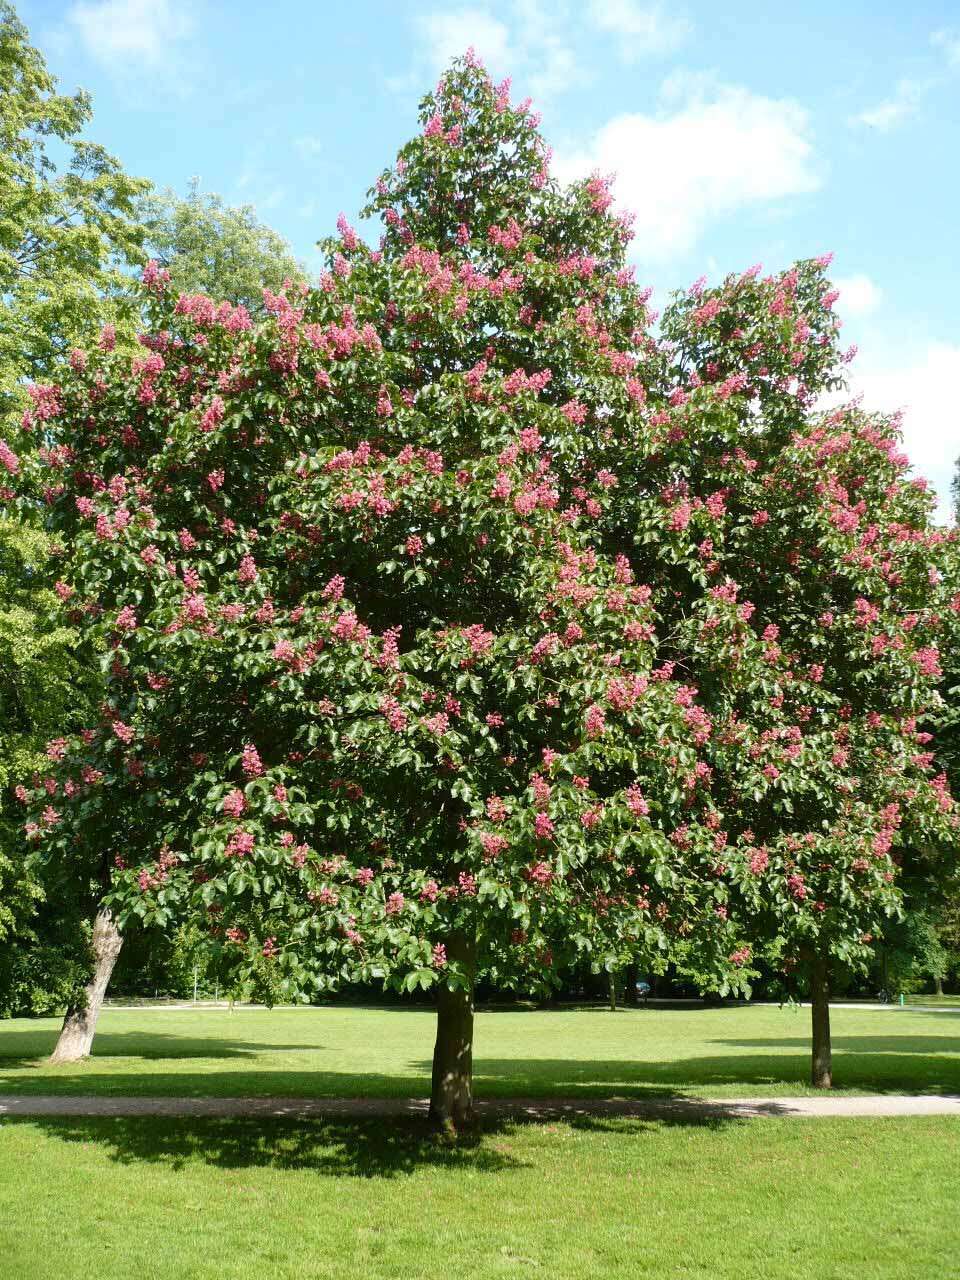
(593, 1198)
(100, 1199)
(934, 1002)
(385, 1052)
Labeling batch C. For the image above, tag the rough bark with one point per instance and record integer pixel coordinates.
(821, 1074)
(80, 1020)
(451, 1092)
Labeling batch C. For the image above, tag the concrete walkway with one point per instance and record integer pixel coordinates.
(692, 1109)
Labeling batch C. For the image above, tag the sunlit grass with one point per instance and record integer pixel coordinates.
(598, 1199)
(340, 1051)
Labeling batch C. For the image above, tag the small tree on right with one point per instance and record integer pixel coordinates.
(827, 561)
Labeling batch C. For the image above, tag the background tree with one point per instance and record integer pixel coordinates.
(46, 687)
(946, 728)
(69, 237)
(69, 233)
(912, 953)
(823, 553)
(217, 249)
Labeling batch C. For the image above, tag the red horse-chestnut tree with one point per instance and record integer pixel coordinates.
(456, 623)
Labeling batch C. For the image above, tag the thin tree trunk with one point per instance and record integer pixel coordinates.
(821, 1074)
(451, 1091)
(80, 1021)
(612, 983)
(938, 984)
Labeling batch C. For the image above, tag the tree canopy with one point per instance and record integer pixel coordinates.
(73, 227)
(45, 687)
(214, 248)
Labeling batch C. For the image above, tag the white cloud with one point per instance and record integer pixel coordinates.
(448, 35)
(858, 295)
(716, 150)
(904, 103)
(926, 389)
(642, 28)
(535, 44)
(908, 95)
(122, 33)
(949, 42)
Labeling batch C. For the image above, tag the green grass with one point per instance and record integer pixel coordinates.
(598, 1199)
(934, 1002)
(185, 1199)
(338, 1051)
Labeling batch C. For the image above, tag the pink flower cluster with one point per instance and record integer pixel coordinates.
(234, 803)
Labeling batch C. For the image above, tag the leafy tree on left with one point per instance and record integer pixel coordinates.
(70, 233)
(210, 247)
(45, 682)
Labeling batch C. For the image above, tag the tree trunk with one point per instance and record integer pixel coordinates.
(80, 1021)
(822, 1071)
(630, 995)
(938, 984)
(612, 982)
(451, 1091)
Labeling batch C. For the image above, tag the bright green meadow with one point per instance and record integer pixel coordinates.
(586, 1197)
(591, 1199)
(386, 1052)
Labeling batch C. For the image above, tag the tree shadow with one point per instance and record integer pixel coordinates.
(858, 1064)
(876, 1063)
(859, 1044)
(536, 1078)
(335, 1147)
(30, 1048)
(216, 1084)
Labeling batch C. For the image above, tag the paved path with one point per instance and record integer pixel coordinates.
(532, 1108)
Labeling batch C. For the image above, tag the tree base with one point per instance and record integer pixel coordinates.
(451, 1088)
(450, 1129)
(80, 1021)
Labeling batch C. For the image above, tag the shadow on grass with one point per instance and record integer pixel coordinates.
(875, 1063)
(334, 1147)
(20, 1050)
(872, 1071)
(864, 1066)
(879, 1044)
(32, 1045)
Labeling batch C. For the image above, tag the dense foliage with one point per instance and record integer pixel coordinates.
(45, 688)
(70, 232)
(214, 248)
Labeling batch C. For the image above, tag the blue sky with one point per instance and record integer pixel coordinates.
(739, 133)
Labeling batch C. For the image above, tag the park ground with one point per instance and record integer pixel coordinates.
(586, 1196)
